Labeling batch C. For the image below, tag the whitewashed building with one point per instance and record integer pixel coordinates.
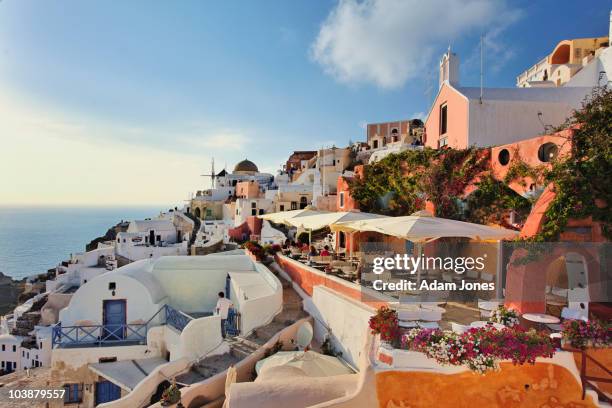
(156, 314)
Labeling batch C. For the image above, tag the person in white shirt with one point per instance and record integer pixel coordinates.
(223, 306)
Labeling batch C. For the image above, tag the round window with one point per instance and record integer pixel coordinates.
(547, 152)
(503, 157)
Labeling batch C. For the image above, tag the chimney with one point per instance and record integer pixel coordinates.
(449, 69)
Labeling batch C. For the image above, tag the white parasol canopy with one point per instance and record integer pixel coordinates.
(423, 228)
(315, 222)
(313, 364)
(284, 217)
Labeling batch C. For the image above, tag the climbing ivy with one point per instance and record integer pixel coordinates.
(582, 180)
(400, 184)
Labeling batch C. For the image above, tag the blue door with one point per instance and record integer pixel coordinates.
(106, 391)
(114, 319)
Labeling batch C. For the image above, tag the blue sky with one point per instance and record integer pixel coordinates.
(143, 93)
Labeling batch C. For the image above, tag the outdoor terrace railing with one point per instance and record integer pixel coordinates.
(99, 335)
(176, 318)
(116, 334)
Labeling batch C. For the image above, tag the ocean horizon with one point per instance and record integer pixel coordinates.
(34, 239)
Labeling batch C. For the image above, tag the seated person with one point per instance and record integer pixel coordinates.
(313, 251)
(325, 251)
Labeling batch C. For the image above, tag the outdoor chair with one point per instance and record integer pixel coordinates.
(486, 306)
(459, 328)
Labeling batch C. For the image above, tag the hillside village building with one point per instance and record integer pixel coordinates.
(460, 117)
(563, 63)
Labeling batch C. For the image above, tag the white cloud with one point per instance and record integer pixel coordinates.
(418, 115)
(387, 42)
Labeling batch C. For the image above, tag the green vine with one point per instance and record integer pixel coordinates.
(400, 184)
(581, 180)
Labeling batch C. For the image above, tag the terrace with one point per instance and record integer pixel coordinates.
(109, 335)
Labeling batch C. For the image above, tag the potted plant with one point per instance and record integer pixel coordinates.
(581, 334)
(386, 324)
(171, 395)
(502, 315)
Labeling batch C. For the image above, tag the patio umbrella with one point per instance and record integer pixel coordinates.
(424, 228)
(313, 364)
(318, 221)
(284, 217)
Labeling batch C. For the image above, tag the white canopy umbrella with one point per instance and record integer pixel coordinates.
(317, 221)
(283, 217)
(313, 364)
(423, 228)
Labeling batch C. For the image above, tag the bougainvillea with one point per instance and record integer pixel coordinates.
(401, 183)
(479, 349)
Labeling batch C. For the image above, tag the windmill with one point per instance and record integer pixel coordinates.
(212, 174)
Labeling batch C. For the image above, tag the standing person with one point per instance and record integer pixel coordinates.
(222, 309)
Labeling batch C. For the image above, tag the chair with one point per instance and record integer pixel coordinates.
(486, 306)
(459, 328)
(428, 325)
(408, 318)
(431, 315)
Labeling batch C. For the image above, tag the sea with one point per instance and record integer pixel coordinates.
(35, 239)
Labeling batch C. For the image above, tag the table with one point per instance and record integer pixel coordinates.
(541, 319)
(481, 323)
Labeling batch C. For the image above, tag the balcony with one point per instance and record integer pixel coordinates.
(110, 335)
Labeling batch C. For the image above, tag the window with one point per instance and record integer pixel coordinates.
(282, 207)
(547, 152)
(14, 348)
(443, 119)
(112, 285)
(3, 347)
(443, 142)
(504, 157)
(3, 364)
(73, 394)
(342, 200)
(253, 205)
(375, 144)
(261, 211)
(293, 207)
(303, 203)
(254, 211)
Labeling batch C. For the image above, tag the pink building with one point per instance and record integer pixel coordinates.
(468, 116)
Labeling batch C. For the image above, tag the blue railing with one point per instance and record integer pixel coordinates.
(115, 334)
(176, 318)
(99, 335)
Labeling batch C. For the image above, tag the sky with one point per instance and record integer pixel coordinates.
(126, 103)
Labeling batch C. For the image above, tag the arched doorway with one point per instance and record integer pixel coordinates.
(567, 284)
(197, 213)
